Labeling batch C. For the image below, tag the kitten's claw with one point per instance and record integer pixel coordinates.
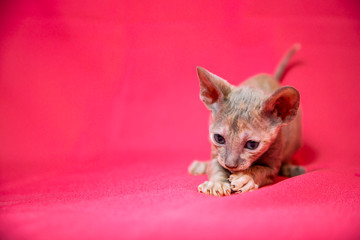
(215, 188)
(241, 182)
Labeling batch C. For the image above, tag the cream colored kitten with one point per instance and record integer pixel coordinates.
(254, 131)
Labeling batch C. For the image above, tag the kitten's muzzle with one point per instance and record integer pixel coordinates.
(231, 165)
(233, 161)
(235, 164)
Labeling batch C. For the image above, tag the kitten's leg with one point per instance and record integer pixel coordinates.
(218, 184)
(252, 178)
(198, 167)
(289, 170)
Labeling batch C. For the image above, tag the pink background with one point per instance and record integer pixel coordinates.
(100, 117)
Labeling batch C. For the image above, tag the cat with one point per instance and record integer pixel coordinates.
(255, 129)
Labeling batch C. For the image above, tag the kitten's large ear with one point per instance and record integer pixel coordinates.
(213, 89)
(282, 105)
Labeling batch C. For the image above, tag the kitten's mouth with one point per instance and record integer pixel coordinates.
(236, 169)
(245, 165)
(232, 171)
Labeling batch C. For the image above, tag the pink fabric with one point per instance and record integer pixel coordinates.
(100, 117)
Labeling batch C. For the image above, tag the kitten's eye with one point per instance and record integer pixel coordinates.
(252, 145)
(219, 139)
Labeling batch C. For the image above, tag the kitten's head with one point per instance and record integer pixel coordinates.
(245, 120)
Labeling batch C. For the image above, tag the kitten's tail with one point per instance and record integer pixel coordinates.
(198, 168)
(285, 60)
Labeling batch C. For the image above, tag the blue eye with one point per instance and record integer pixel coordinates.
(252, 145)
(219, 139)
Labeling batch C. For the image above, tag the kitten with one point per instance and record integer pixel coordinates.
(254, 131)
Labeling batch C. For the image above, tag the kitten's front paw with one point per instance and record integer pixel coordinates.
(215, 188)
(241, 182)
